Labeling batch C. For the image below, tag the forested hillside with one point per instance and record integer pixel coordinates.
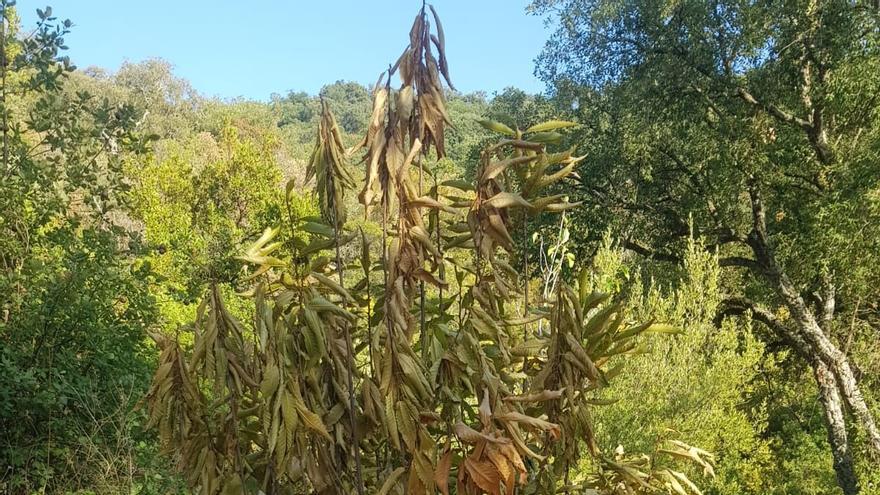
(659, 276)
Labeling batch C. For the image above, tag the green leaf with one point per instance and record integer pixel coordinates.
(550, 125)
(507, 200)
(497, 127)
(320, 229)
(546, 137)
(461, 185)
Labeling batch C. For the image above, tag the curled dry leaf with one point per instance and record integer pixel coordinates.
(471, 436)
(541, 396)
(540, 424)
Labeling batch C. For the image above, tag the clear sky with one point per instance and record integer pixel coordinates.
(255, 48)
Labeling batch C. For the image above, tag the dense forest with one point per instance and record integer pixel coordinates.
(659, 276)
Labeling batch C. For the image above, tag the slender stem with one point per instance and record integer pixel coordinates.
(388, 322)
(525, 275)
(460, 305)
(349, 371)
(389, 335)
(369, 311)
(441, 272)
(423, 330)
(567, 480)
(525, 260)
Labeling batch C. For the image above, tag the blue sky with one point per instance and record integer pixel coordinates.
(255, 48)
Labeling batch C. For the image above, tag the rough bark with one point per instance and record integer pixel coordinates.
(807, 326)
(829, 394)
(836, 424)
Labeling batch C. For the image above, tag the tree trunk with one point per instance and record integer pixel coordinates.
(825, 350)
(829, 391)
(820, 345)
(839, 365)
(836, 424)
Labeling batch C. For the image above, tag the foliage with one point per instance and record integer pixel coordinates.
(458, 333)
(198, 199)
(262, 407)
(753, 136)
(710, 411)
(282, 411)
(75, 306)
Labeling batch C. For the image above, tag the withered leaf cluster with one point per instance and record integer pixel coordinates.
(327, 164)
(330, 389)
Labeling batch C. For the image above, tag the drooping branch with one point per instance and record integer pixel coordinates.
(650, 253)
(740, 261)
(329, 167)
(738, 305)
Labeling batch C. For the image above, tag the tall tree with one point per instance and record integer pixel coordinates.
(758, 121)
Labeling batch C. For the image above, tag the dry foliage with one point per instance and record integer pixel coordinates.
(325, 391)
